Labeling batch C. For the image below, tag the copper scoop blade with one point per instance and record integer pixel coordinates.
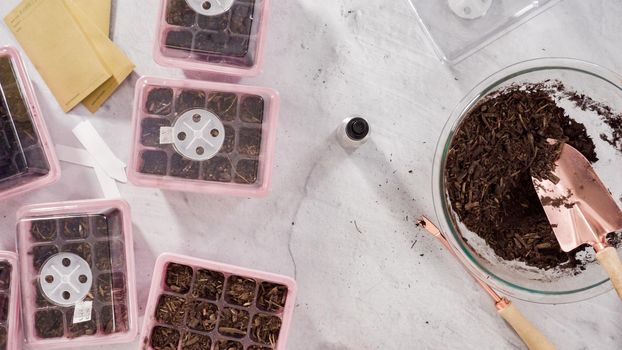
(579, 207)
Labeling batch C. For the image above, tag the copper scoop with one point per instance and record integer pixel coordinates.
(530, 335)
(581, 210)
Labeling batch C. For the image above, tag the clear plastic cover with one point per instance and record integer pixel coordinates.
(459, 28)
(26, 159)
(179, 142)
(78, 273)
(196, 304)
(218, 36)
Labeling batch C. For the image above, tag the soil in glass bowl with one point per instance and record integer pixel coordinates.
(500, 143)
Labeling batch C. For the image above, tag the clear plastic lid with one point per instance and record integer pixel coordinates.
(203, 136)
(9, 301)
(27, 159)
(77, 273)
(459, 28)
(224, 36)
(197, 304)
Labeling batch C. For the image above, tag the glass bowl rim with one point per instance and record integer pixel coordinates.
(442, 208)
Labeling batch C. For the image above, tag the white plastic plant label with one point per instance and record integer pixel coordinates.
(82, 311)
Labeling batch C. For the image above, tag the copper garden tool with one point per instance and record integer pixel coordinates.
(581, 210)
(530, 335)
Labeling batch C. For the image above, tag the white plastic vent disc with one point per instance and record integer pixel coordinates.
(197, 134)
(470, 9)
(210, 7)
(66, 279)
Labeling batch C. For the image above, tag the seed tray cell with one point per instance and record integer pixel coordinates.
(9, 289)
(234, 158)
(198, 304)
(27, 159)
(223, 37)
(78, 258)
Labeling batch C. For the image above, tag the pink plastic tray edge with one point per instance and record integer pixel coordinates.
(13, 332)
(37, 117)
(164, 258)
(213, 188)
(87, 205)
(185, 64)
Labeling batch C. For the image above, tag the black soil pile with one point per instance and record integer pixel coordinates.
(495, 151)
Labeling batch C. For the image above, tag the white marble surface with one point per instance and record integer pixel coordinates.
(372, 289)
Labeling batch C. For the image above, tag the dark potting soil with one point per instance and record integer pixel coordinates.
(495, 151)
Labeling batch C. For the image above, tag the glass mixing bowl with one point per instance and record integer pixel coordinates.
(514, 278)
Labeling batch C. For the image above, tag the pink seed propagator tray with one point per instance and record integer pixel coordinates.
(27, 158)
(10, 338)
(223, 37)
(202, 305)
(77, 274)
(201, 136)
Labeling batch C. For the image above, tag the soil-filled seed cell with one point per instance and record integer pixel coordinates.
(217, 169)
(43, 230)
(74, 227)
(265, 329)
(233, 322)
(246, 171)
(223, 104)
(202, 316)
(178, 278)
(163, 338)
(3, 338)
(240, 291)
(251, 109)
(114, 319)
(180, 14)
(217, 23)
(154, 162)
(237, 46)
(184, 168)
(114, 223)
(241, 19)
(195, 341)
(150, 131)
(229, 143)
(210, 42)
(37, 162)
(249, 142)
(109, 255)
(179, 39)
(40, 300)
(5, 275)
(82, 250)
(41, 253)
(271, 297)
(4, 307)
(171, 310)
(160, 101)
(111, 287)
(190, 99)
(49, 323)
(257, 347)
(208, 284)
(223, 344)
(82, 328)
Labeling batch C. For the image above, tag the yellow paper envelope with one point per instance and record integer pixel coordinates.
(98, 11)
(115, 61)
(59, 49)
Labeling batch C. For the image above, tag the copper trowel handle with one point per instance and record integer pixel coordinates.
(610, 261)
